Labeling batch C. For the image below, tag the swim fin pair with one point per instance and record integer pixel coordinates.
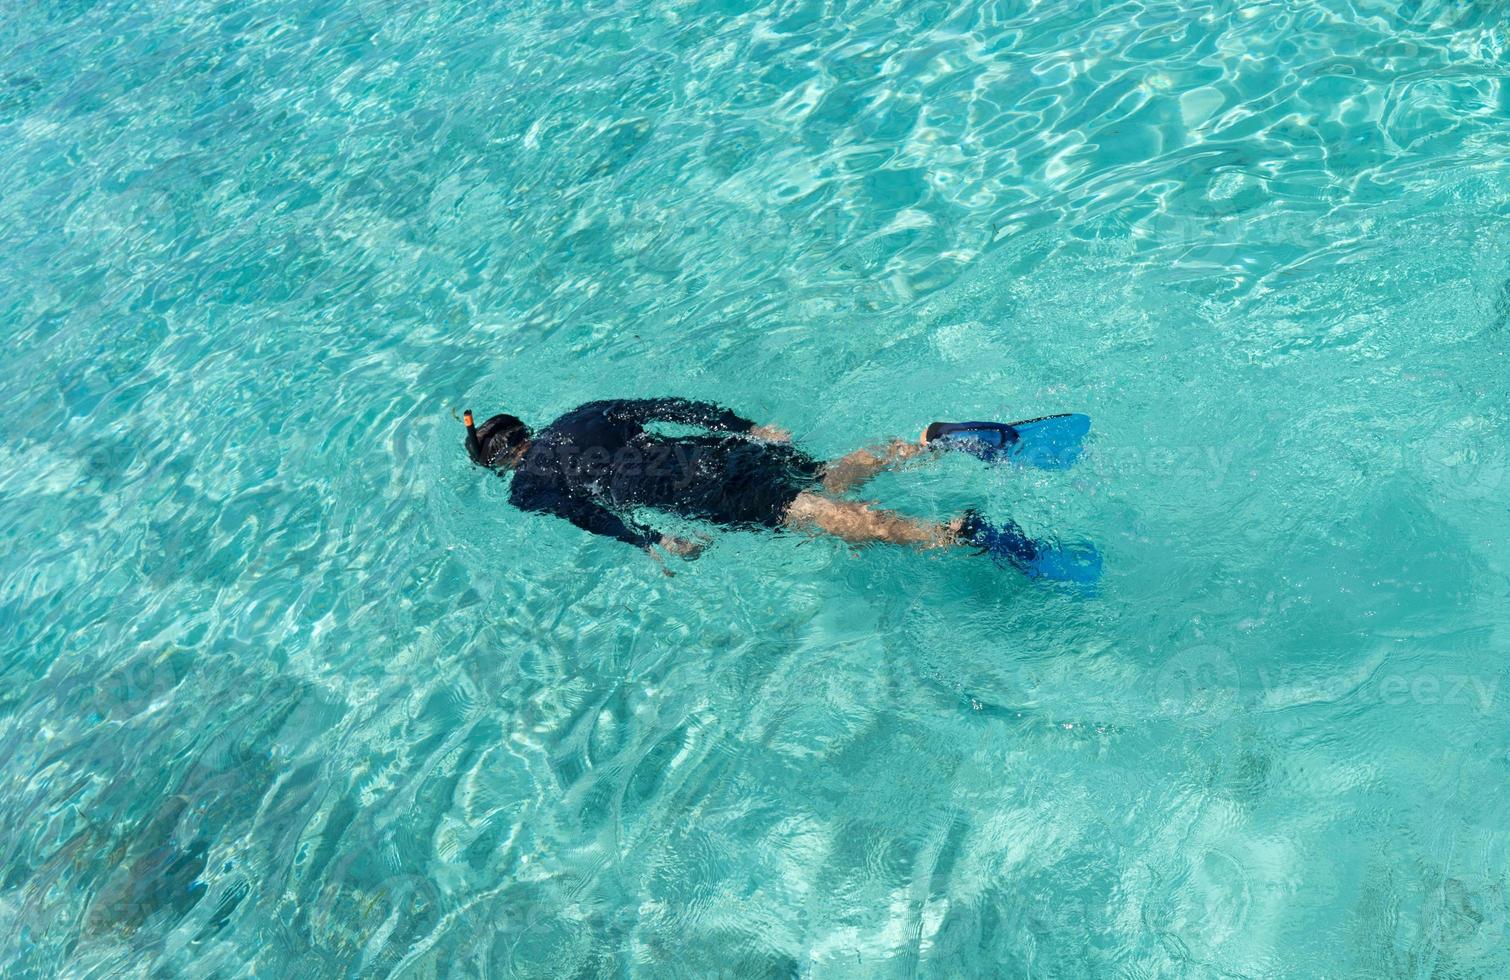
(1053, 442)
(1007, 544)
(1049, 443)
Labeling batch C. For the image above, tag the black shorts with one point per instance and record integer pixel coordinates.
(725, 480)
(762, 480)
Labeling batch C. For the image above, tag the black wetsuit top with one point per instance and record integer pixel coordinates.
(595, 464)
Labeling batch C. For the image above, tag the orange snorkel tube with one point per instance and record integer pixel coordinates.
(474, 448)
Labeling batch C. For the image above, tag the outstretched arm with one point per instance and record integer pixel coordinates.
(681, 411)
(595, 518)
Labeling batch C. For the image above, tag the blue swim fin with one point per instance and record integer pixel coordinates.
(1079, 563)
(1050, 443)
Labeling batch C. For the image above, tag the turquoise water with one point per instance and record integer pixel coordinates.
(289, 690)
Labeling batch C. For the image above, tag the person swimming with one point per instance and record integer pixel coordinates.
(598, 463)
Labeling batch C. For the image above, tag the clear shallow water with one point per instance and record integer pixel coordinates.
(286, 688)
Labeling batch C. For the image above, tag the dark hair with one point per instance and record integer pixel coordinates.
(498, 437)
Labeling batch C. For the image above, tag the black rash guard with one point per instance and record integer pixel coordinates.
(597, 462)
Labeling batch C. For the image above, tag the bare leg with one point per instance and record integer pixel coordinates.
(860, 523)
(862, 464)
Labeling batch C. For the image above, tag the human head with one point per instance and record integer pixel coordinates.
(496, 444)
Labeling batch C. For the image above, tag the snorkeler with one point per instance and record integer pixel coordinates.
(598, 462)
